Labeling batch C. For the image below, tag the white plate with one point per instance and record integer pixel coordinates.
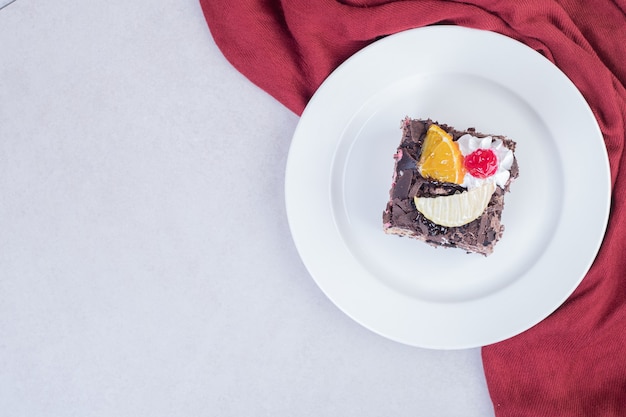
(340, 167)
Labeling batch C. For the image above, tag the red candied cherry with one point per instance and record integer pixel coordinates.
(481, 163)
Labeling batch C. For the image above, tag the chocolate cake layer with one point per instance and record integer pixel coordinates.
(401, 216)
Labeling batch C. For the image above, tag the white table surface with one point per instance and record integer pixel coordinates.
(146, 265)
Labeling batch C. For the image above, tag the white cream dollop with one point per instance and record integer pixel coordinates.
(468, 144)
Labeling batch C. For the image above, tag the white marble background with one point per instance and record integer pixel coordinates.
(146, 266)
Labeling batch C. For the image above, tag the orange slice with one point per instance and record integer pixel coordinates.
(441, 158)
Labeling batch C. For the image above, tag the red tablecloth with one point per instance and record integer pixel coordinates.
(574, 362)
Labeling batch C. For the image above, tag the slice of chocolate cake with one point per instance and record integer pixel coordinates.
(448, 186)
